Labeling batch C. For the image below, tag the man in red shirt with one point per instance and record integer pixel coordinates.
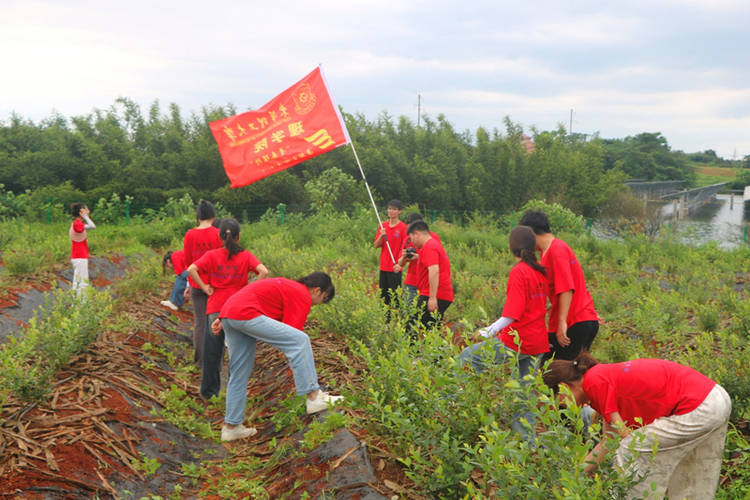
(433, 274)
(390, 241)
(573, 322)
(408, 261)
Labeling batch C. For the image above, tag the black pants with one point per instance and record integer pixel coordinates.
(213, 356)
(389, 283)
(200, 300)
(581, 337)
(426, 317)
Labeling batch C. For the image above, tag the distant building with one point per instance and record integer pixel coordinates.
(527, 144)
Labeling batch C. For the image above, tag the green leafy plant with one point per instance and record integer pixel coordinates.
(147, 465)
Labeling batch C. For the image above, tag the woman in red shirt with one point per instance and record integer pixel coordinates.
(227, 269)
(520, 335)
(197, 242)
(678, 410)
(79, 254)
(274, 311)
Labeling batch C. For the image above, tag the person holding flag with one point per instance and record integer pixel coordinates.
(390, 239)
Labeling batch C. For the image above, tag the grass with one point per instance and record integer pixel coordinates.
(708, 176)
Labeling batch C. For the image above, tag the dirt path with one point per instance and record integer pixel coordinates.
(17, 307)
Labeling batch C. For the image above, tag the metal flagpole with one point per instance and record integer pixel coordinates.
(380, 223)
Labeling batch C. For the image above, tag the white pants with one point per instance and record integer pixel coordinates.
(690, 448)
(80, 274)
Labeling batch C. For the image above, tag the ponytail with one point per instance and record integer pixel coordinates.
(522, 242)
(321, 280)
(167, 258)
(229, 232)
(205, 211)
(564, 371)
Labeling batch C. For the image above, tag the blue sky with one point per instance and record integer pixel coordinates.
(679, 67)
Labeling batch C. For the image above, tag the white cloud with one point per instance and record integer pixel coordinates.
(624, 67)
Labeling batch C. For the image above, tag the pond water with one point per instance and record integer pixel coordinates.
(718, 220)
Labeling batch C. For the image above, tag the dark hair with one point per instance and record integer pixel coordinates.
(418, 225)
(412, 217)
(395, 204)
(229, 232)
(76, 208)
(167, 258)
(564, 371)
(522, 243)
(536, 220)
(322, 280)
(205, 210)
(217, 222)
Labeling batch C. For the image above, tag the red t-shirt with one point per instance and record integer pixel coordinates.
(645, 388)
(564, 273)
(432, 253)
(411, 265)
(80, 249)
(178, 261)
(277, 298)
(197, 242)
(395, 236)
(226, 276)
(526, 302)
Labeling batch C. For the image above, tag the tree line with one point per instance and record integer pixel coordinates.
(164, 154)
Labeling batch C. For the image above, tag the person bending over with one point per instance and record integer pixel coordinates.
(672, 407)
(274, 311)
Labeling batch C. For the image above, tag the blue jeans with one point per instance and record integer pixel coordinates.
(178, 290)
(411, 292)
(241, 339)
(213, 355)
(527, 364)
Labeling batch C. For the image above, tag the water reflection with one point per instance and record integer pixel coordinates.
(718, 220)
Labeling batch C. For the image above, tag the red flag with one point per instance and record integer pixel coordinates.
(300, 123)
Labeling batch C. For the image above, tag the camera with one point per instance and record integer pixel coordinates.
(411, 253)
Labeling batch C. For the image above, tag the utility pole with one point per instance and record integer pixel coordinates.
(419, 109)
(570, 130)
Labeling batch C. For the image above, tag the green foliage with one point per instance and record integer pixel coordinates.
(184, 413)
(141, 280)
(122, 153)
(561, 220)
(63, 328)
(320, 432)
(290, 419)
(334, 187)
(147, 465)
(647, 156)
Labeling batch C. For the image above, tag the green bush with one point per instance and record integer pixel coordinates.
(561, 219)
(64, 327)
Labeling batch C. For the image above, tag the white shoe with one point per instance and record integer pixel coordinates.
(239, 432)
(322, 402)
(167, 303)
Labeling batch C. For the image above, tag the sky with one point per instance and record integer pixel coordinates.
(679, 67)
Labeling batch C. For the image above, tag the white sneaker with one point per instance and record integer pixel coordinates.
(239, 432)
(169, 304)
(321, 402)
